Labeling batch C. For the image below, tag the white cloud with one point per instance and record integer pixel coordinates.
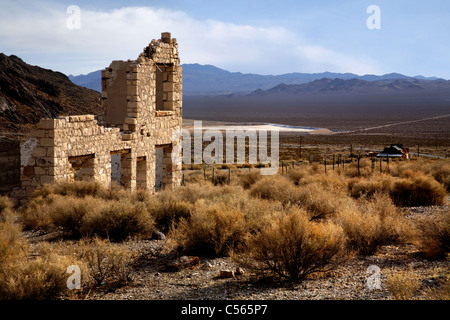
(123, 33)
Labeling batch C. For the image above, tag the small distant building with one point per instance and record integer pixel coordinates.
(394, 151)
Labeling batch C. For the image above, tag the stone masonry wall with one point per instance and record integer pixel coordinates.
(133, 127)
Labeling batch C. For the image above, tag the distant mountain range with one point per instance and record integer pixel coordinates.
(91, 80)
(210, 80)
(357, 86)
(329, 100)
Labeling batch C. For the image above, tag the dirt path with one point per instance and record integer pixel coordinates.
(396, 124)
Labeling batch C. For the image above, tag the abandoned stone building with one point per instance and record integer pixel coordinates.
(130, 144)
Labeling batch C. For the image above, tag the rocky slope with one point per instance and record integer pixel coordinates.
(29, 93)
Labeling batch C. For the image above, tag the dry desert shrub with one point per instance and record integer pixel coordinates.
(118, 220)
(221, 224)
(278, 188)
(434, 235)
(107, 263)
(194, 191)
(441, 173)
(248, 179)
(438, 169)
(220, 179)
(418, 191)
(23, 277)
(76, 189)
(365, 169)
(365, 232)
(372, 224)
(41, 278)
(297, 175)
(319, 202)
(318, 194)
(330, 181)
(168, 210)
(89, 216)
(7, 212)
(367, 187)
(293, 247)
(215, 230)
(402, 284)
(12, 245)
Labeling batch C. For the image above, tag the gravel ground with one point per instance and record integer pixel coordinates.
(155, 279)
(152, 281)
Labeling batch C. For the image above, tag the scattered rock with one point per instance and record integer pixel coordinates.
(225, 274)
(239, 271)
(158, 235)
(187, 262)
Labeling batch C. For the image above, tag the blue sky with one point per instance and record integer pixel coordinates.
(265, 37)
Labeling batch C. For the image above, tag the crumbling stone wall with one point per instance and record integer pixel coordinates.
(142, 100)
(9, 165)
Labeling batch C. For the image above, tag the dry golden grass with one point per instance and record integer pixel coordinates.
(402, 284)
(442, 292)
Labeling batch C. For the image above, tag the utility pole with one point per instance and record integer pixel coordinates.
(436, 141)
(300, 148)
(359, 173)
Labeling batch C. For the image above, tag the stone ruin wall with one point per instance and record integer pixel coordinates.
(142, 100)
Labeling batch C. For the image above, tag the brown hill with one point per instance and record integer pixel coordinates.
(29, 93)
